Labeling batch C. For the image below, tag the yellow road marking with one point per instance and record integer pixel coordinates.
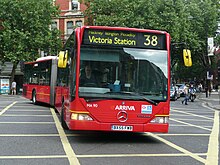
(66, 145)
(213, 147)
(6, 108)
(177, 147)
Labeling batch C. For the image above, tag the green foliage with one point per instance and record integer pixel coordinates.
(26, 29)
(188, 21)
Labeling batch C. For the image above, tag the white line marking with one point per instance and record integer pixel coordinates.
(177, 147)
(27, 123)
(33, 157)
(192, 125)
(213, 147)
(185, 119)
(28, 135)
(66, 145)
(183, 134)
(26, 115)
(191, 114)
(137, 155)
(6, 108)
(74, 135)
(185, 109)
(181, 125)
(99, 156)
(25, 110)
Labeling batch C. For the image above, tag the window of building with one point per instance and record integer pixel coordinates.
(75, 5)
(69, 27)
(79, 23)
(54, 25)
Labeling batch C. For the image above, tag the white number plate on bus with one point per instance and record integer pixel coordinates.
(122, 128)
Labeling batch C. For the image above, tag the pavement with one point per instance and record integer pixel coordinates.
(213, 100)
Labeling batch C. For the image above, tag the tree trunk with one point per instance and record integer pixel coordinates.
(13, 73)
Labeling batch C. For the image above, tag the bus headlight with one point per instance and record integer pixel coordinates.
(160, 120)
(80, 116)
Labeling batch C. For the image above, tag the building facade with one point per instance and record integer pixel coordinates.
(71, 16)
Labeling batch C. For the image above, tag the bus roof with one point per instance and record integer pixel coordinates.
(46, 58)
(43, 59)
(123, 28)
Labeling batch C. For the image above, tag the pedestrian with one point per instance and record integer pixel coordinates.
(210, 90)
(206, 91)
(13, 87)
(186, 93)
(200, 87)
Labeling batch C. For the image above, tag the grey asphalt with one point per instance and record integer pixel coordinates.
(213, 100)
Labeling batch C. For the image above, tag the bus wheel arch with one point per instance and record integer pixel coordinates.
(62, 115)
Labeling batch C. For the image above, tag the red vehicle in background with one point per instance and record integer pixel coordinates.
(40, 80)
(129, 86)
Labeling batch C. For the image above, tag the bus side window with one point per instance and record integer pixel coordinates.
(35, 78)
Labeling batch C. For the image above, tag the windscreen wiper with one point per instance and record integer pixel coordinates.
(135, 94)
(150, 93)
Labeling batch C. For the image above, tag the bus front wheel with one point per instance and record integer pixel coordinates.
(63, 123)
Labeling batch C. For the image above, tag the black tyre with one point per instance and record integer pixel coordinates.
(34, 97)
(55, 103)
(63, 123)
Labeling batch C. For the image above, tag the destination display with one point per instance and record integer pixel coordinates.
(124, 39)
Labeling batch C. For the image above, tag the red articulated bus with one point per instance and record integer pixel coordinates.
(40, 80)
(113, 79)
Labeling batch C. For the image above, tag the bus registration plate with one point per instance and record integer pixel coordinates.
(122, 128)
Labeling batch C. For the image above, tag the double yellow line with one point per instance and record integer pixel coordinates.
(66, 145)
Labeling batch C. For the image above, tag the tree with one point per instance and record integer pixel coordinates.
(188, 21)
(25, 30)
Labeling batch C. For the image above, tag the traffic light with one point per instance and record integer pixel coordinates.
(187, 57)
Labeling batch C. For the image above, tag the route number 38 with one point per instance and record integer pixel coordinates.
(150, 40)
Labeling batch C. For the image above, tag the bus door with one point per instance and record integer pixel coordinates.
(44, 81)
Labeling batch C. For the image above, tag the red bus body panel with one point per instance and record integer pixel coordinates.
(42, 92)
(104, 114)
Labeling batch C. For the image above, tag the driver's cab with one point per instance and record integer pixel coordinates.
(89, 76)
(92, 77)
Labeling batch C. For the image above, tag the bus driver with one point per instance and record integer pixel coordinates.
(87, 78)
